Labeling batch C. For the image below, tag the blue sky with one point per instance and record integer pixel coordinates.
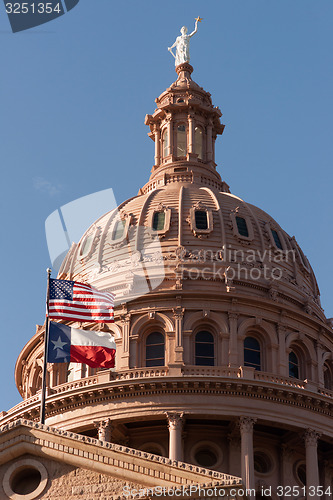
(74, 94)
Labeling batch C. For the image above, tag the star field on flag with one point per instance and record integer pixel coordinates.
(74, 301)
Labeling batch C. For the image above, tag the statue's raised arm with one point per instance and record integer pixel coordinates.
(182, 44)
(198, 19)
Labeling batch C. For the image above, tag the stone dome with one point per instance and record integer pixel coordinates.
(185, 226)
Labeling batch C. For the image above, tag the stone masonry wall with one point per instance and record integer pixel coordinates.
(66, 482)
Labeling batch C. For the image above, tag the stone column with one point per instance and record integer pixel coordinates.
(233, 352)
(327, 475)
(175, 424)
(209, 143)
(105, 428)
(178, 313)
(170, 134)
(320, 352)
(283, 364)
(247, 461)
(190, 134)
(234, 454)
(157, 134)
(286, 462)
(312, 471)
(125, 355)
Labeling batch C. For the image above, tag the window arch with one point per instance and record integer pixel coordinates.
(198, 142)
(301, 352)
(293, 365)
(165, 143)
(155, 347)
(204, 349)
(252, 353)
(181, 141)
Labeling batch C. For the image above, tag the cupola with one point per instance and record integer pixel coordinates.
(184, 128)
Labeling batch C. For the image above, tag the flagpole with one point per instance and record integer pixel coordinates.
(46, 341)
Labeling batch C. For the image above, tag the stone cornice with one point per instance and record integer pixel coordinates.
(194, 380)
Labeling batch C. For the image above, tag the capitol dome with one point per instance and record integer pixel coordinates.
(224, 355)
(204, 232)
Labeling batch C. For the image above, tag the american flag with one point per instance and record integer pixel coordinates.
(75, 301)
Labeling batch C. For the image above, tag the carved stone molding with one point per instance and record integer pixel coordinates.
(246, 424)
(175, 420)
(178, 312)
(311, 437)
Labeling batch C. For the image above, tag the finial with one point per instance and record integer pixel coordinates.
(182, 44)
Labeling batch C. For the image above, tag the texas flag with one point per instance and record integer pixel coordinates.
(67, 344)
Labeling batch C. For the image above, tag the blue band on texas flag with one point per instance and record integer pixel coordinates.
(67, 344)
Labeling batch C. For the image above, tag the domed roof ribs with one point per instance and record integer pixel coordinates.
(219, 211)
(141, 217)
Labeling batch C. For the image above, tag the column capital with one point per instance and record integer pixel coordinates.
(246, 424)
(311, 437)
(105, 428)
(175, 420)
(178, 312)
(233, 316)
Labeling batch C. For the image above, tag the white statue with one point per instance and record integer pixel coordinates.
(182, 44)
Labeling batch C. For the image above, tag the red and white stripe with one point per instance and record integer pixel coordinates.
(88, 304)
(96, 349)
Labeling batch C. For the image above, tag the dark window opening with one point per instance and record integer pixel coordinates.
(158, 221)
(155, 349)
(277, 239)
(242, 226)
(204, 349)
(293, 365)
(25, 481)
(262, 463)
(201, 219)
(205, 458)
(252, 354)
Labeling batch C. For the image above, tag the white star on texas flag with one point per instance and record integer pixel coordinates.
(58, 344)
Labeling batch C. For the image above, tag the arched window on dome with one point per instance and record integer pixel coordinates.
(159, 221)
(198, 142)
(155, 349)
(293, 365)
(276, 239)
(252, 353)
(181, 141)
(328, 376)
(204, 349)
(118, 230)
(165, 143)
(201, 219)
(242, 226)
(86, 245)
